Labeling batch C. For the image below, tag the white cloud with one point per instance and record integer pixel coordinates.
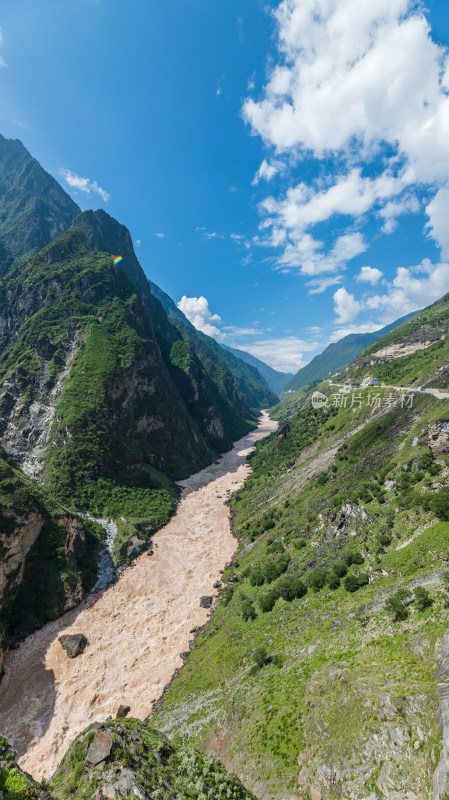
(395, 208)
(2, 60)
(160, 235)
(267, 171)
(138, 242)
(438, 214)
(369, 275)
(284, 354)
(83, 184)
(366, 327)
(199, 314)
(353, 81)
(345, 305)
(412, 288)
(319, 285)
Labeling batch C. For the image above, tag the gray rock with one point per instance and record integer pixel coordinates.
(73, 643)
(206, 601)
(100, 748)
(122, 711)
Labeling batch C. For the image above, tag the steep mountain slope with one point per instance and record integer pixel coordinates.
(273, 378)
(321, 672)
(34, 208)
(414, 354)
(337, 355)
(255, 389)
(48, 556)
(124, 758)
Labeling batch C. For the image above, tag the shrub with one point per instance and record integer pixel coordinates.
(333, 581)
(423, 599)
(318, 578)
(357, 558)
(351, 583)
(226, 595)
(276, 547)
(397, 607)
(340, 569)
(248, 610)
(363, 579)
(257, 576)
(260, 657)
(298, 544)
(274, 569)
(278, 661)
(267, 601)
(384, 538)
(290, 588)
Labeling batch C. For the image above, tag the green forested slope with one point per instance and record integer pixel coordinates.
(316, 675)
(34, 208)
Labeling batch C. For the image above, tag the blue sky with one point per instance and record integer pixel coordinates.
(284, 173)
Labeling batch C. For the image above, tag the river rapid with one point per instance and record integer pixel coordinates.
(136, 629)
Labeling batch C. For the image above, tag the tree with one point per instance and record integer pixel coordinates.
(423, 599)
(260, 657)
(257, 576)
(248, 610)
(396, 605)
(318, 578)
(267, 602)
(340, 569)
(351, 583)
(333, 581)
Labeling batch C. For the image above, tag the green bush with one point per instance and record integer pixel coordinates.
(290, 588)
(333, 581)
(340, 569)
(397, 605)
(248, 611)
(351, 583)
(260, 657)
(226, 595)
(423, 599)
(257, 576)
(318, 578)
(298, 544)
(274, 569)
(267, 601)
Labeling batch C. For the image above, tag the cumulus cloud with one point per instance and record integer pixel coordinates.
(284, 354)
(83, 184)
(319, 285)
(369, 275)
(160, 235)
(199, 314)
(361, 85)
(345, 305)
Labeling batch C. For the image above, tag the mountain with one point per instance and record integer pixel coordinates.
(338, 355)
(34, 208)
(323, 672)
(254, 387)
(49, 557)
(124, 758)
(414, 354)
(273, 378)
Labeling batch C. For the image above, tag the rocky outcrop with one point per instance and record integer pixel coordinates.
(127, 758)
(441, 775)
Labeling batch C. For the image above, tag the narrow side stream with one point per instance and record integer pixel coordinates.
(136, 629)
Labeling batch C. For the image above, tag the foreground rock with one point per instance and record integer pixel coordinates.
(127, 758)
(74, 644)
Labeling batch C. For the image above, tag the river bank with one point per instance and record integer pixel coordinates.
(136, 629)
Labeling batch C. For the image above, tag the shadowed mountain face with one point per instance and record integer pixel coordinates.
(34, 208)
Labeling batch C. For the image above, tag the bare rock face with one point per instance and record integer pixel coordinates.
(73, 643)
(100, 748)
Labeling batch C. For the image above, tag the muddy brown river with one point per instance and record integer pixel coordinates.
(136, 629)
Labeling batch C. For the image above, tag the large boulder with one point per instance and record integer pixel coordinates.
(73, 643)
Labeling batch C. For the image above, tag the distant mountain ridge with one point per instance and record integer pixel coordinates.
(338, 354)
(275, 379)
